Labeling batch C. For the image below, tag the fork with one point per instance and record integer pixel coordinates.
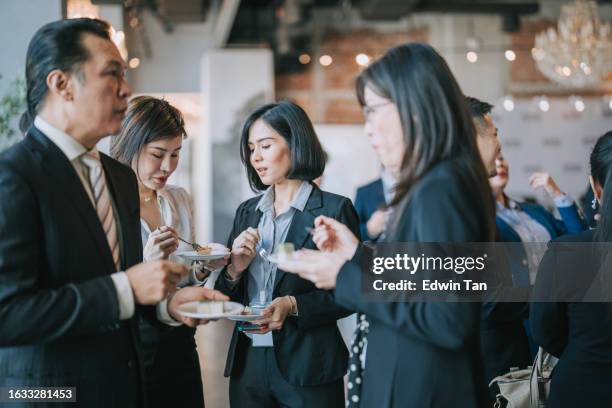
(193, 244)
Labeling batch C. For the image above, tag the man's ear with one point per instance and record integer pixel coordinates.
(596, 188)
(60, 84)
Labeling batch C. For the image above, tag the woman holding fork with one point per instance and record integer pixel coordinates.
(297, 357)
(411, 352)
(150, 142)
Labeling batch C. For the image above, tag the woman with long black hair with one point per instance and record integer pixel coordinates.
(410, 353)
(571, 316)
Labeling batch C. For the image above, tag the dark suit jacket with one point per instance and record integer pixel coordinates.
(368, 199)
(309, 349)
(504, 338)
(579, 333)
(423, 354)
(59, 313)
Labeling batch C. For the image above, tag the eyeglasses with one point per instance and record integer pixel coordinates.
(368, 110)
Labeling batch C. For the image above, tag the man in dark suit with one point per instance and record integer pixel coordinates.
(70, 278)
(371, 203)
(503, 339)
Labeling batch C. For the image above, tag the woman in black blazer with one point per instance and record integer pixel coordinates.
(297, 358)
(573, 319)
(417, 354)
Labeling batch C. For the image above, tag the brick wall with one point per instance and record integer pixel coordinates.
(328, 93)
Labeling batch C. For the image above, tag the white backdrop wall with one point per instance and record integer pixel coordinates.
(558, 141)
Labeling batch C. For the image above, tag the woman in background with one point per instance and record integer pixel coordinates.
(572, 315)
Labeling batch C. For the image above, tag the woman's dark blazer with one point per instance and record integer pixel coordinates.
(309, 349)
(424, 354)
(580, 334)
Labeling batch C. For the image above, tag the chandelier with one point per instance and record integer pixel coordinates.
(579, 52)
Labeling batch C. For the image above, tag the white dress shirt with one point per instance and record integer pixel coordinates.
(74, 151)
(176, 212)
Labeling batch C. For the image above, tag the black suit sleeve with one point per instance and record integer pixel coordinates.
(437, 216)
(361, 214)
(29, 313)
(548, 319)
(318, 307)
(234, 290)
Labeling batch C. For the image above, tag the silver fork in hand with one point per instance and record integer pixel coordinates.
(193, 244)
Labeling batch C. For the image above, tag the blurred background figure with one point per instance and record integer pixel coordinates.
(574, 327)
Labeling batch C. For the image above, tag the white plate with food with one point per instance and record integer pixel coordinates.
(205, 253)
(248, 314)
(284, 253)
(210, 309)
(276, 259)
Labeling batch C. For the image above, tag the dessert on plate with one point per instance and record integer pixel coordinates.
(204, 250)
(211, 307)
(285, 251)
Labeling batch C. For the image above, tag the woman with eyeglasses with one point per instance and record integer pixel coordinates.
(294, 356)
(150, 142)
(412, 353)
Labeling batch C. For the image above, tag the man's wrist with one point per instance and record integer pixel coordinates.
(163, 313)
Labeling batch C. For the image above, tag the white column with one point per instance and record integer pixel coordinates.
(231, 79)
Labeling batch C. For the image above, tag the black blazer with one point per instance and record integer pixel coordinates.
(368, 199)
(579, 333)
(59, 313)
(309, 349)
(423, 354)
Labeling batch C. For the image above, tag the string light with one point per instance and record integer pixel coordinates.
(508, 103)
(134, 63)
(304, 59)
(579, 105)
(510, 55)
(543, 104)
(472, 56)
(325, 60)
(362, 59)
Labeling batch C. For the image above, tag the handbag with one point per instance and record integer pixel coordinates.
(527, 388)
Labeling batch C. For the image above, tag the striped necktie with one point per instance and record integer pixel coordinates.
(102, 201)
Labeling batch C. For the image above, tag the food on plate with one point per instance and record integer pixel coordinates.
(285, 251)
(204, 250)
(211, 307)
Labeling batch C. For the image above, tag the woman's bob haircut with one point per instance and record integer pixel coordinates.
(291, 122)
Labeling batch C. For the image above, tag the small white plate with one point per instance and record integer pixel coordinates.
(194, 256)
(254, 315)
(244, 318)
(190, 309)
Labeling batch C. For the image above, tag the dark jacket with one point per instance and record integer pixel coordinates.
(369, 199)
(309, 349)
(505, 340)
(59, 313)
(579, 333)
(424, 354)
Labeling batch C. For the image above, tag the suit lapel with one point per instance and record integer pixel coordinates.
(68, 186)
(298, 233)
